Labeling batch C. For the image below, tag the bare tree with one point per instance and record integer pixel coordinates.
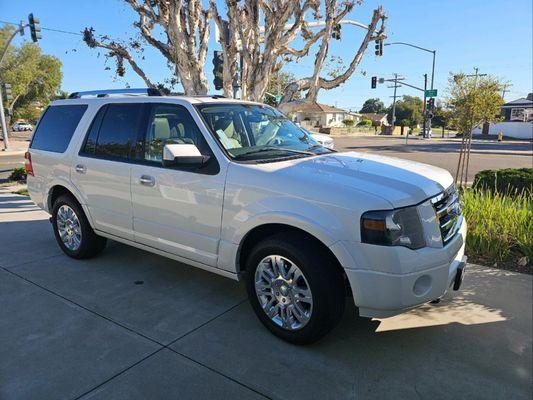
(259, 42)
(186, 27)
(315, 82)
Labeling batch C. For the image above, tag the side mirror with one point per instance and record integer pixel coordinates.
(186, 155)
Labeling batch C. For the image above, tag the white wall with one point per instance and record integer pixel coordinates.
(518, 130)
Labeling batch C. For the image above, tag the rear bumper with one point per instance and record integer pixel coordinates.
(396, 279)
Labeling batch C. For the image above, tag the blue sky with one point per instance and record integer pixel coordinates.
(494, 35)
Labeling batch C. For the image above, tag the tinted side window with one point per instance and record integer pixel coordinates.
(119, 130)
(170, 124)
(90, 143)
(57, 126)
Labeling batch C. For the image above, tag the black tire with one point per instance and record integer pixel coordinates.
(325, 281)
(91, 244)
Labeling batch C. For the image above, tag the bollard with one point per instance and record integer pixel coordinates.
(500, 137)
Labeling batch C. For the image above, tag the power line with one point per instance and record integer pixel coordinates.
(47, 29)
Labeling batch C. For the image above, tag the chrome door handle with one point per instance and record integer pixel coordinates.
(81, 169)
(147, 180)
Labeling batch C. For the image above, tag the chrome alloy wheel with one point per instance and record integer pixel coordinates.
(283, 292)
(68, 226)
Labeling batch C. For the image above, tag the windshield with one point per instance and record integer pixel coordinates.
(253, 132)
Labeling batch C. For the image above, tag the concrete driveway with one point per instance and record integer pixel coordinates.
(132, 325)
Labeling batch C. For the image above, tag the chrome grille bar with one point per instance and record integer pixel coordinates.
(448, 210)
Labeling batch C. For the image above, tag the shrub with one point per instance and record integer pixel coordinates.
(511, 181)
(348, 122)
(18, 175)
(499, 226)
(365, 123)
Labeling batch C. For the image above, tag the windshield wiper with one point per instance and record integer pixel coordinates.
(272, 148)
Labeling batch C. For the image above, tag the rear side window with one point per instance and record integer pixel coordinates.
(113, 131)
(56, 127)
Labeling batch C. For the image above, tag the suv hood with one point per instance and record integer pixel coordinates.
(400, 182)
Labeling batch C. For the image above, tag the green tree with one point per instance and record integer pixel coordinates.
(35, 78)
(473, 100)
(409, 112)
(373, 105)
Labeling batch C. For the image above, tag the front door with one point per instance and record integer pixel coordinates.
(102, 171)
(176, 210)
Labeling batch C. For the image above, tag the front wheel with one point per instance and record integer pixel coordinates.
(294, 287)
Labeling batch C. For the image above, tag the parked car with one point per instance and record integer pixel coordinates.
(21, 126)
(324, 140)
(237, 189)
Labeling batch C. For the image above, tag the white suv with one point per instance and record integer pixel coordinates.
(237, 189)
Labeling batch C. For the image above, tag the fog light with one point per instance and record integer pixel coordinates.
(422, 285)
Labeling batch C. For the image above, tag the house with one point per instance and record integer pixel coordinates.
(377, 119)
(316, 115)
(517, 120)
(520, 110)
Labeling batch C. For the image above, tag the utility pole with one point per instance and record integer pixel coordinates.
(395, 86)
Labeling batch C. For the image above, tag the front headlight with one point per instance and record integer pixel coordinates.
(400, 227)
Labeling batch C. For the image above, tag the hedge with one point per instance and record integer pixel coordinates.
(510, 181)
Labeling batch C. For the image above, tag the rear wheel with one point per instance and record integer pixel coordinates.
(294, 287)
(72, 230)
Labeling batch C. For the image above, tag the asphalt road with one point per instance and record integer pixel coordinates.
(444, 153)
(7, 163)
(132, 325)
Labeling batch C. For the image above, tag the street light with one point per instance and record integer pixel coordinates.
(420, 48)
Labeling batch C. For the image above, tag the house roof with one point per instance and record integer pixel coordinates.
(374, 117)
(306, 107)
(524, 102)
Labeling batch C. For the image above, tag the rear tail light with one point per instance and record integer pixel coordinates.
(28, 167)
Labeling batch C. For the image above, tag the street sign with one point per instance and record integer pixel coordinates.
(431, 93)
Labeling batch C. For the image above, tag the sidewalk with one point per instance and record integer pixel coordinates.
(16, 147)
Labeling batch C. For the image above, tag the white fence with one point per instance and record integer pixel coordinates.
(518, 130)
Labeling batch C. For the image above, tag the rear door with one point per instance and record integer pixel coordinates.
(102, 170)
(177, 210)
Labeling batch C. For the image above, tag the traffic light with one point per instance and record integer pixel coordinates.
(35, 29)
(218, 69)
(336, 33)
(6, 89)
(374, 82)
(378, 47)
(431, 104)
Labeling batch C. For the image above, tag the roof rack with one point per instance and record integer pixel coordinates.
(106, 93)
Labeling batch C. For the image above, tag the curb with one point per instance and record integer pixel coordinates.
(12, 153)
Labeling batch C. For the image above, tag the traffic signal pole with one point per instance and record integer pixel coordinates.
(3, 121)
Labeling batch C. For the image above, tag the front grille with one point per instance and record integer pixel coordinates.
(449, 213)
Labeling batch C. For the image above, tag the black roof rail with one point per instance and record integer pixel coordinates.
(127, 91)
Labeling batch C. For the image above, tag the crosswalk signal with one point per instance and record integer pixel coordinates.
(336, 32)
(218, 69)
(431, 104)
(35, 29)
(373, 82)
(379, 47)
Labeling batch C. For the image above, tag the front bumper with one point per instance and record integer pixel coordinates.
(386, 281)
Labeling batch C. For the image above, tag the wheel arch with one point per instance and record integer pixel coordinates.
(60, 189)
(266, 230)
